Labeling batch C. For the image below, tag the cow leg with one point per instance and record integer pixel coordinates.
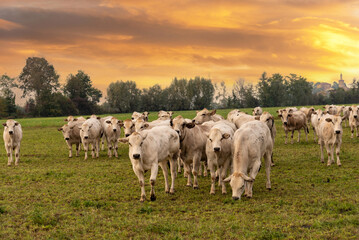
(196, 166)
(141, 179)
(97, 148)
(69, 146)
(253, 173)
(179, 164)
(332, 152)
(187, 169)
(306, 131)
(286, 136)
(327, 147)
(173, 163)
(352, 130)
(314, 135)
(163, 165)
(154, 171)
(109, 148)
(356, 128)
(213, 176)
(93, 145)
(17, 154)
(115, 148)
(321, 151)
(205, 169)
(299, 136)
(224, 169)
(77, 149)
(268, 163)
(337, 152)
(86, 148)
(200, 170)
(291, 137)
(103, 143)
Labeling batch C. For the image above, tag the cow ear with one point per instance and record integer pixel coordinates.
(108, 121)
(213, 112)
(328, 119)
(120, 122)
(228, 179)
(257, 118)
(226, 136)
(66, 120)
(280, 115)
(289, 115)
(197, 111)
(4, 124)
(88, 118)
(171, 123)
(123, 140)
(59, 129)
(191, 124)
(350, 108)
(146, 125)
(16, 123)
(75, 119)
(98, 118)
(277, 111)
(246, 178)
(315, 113)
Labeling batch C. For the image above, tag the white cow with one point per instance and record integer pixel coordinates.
(205, 116)
(354, 120)
(140, 124)
(314, 119)
(128, 127)
(330, 134)
(103, 125)
(151, 148)
(12, 139)
(71, 133)
(257, 111)
(91, 132)
(346, 114)
(112, 132)
(294, 121)
(219, 152)
(72, 118)
(250, 142)
(232, 114)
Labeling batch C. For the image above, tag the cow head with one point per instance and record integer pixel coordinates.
(215, 138)
(66, 131)
(135, 142)
(232, 114)
(336, 120)
(136, 115)
(204, 116)
(129, 127)
(140, 125)
(85, 130)
(285, 115)
(179, 124)
(145, 116)
(237, 181)
(114, 124)
(354, 111)
(163, 115)
(10, 126)
(257, 111)
(268, 119)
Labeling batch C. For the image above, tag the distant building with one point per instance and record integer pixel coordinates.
(342, 83)
(324, 88)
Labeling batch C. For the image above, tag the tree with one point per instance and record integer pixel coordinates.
(81, 92)
(200, 93)
(272, 91)
(177, 96)
(220, 99)
(299, 90)
(153, 99)
(124, 96)
(6, 86)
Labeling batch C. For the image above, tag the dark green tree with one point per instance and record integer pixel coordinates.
(299, 91)
(6, 85)
(124, 96)
(200, 93)
(272, 91)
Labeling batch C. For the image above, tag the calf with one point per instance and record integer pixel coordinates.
(205, 116)
(331, 109)
(193, 140)
(257, 111)
(149, 149)
(330, 134)
(12, 139)
(294, 121)
(91, 132)
(137, 115)
(251, 142)
(219, 152)
(71, 133)
(128, 127)
(354, 120)
(164, 115)
(314, 119)
(112, 132)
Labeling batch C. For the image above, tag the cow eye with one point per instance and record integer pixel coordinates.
(130, 144)
(141, 144)
(203, 114)
(210, 140)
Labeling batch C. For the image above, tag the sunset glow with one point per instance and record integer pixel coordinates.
(154, 41)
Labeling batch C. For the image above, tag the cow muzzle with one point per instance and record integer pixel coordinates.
(337, 131)
(235, 198)
(11, 132)
(67, 138)
(216, 149)
(285, 123)
(114, 129)
(127, 134)
(355, 116)
(136, 156)
(86, 137)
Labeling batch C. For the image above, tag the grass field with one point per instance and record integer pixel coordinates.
(49, 196)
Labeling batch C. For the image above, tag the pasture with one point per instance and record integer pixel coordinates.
(49, 196)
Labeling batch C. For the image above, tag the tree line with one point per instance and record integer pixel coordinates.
(45, 96)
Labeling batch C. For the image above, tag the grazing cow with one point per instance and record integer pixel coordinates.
(219, 152)
(294, 121)
(12, 139)
(250, 142)
(91, 133)
(354, 120)
(72, 118)
(268, 119)
(205, 116)
(346, 114)
(257, 111)
(233, 114)
(314, 119)
(330, 134)
(128, 127)
(193, 140)
(140, 124)
(308, 112)
(151, 148)
(71, 133)
(112, 132)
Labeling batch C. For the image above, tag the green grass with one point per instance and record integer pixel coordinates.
(49, 196)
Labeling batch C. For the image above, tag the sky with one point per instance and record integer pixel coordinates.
(154, 41)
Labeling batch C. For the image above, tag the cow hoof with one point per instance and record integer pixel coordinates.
(224, 193)
(195, 187)
(172, 191)
(189, 185)
(9, 165)
(153, 198)
(212, 193)
(339, 165)
(167, 191)
(142, 199)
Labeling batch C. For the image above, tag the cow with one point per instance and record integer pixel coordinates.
(72, 118)
(308, 112)
(331, 109)
(257, 111)
(103, 125)
(12, 136)
(91, 133)
(140, 124)
(243, 118)
(145, 116)
(112, 132)
(346, 114)
(314, 119)
(193, 140)
(205, 116)
(294, 121)
(128, 127)
(71, 133)
(268, 119)
(164, 115)
(330, 134)
(151, 148)
(250, 142)
(354, 120)
(219, 152)
(232, 114)
(136, 115)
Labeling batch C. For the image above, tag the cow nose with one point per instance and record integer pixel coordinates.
(285, 123)
(67, 138)
(136, 156)
(114, 129)
(127, 134)
(11, 132)
(235, 198)
(86, 137)
(216, 149)
(355, 116)
(337, 131)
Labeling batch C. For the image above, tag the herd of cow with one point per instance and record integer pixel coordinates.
(236, 144)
